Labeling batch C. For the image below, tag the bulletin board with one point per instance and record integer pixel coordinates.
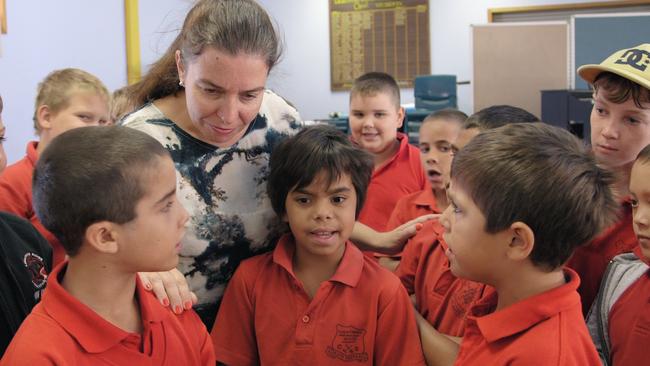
(597, 36)
(378, 35)
(513, 62)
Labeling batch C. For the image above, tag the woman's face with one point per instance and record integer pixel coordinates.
(223, 93)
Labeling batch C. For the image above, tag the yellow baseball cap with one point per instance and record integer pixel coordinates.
(630, 63)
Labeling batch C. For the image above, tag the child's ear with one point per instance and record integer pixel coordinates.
(180, 67)
(44, 117)
(103, 237)
(522, 241)
(400, 117)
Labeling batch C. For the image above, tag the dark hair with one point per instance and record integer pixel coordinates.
(296, 161)
(448, 114)
(232, 26)
(619, 89)
(371, 83)
(91, 174)
(540, 175)
(497, 116)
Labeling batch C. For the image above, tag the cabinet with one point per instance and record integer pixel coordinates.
(568, 109)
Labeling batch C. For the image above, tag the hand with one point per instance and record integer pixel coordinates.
(393, 241)
(170, 288)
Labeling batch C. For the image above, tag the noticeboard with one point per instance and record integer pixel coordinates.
(376, 35)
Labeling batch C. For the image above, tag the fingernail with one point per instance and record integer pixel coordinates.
(147, 286)
(177, 309)
(418, 226)
(166, 302)
(187, 305)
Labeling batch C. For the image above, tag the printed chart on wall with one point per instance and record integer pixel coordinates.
(375, 35)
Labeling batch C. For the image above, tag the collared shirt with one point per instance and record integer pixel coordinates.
(361, 315)
(545, 329)
(401, 175)
(590, 261)
(629, 324)
(441, 298)
(16, 196)
(63, 331)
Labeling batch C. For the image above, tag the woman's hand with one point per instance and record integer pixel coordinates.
(170, 288)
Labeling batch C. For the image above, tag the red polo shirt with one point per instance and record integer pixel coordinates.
(441, 298)
(629, 323)
(362, 315)
(63, 331)
(16, 197)
(399, 176)
(545, 329)
(410, 207)
(590, 261)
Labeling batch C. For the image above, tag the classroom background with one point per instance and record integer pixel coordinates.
(43, 36)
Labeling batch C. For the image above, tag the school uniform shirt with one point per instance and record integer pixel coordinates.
(63, 331)
(16, 196)
(360, 316)
(590, 261)
(410, 207)
(398, 177)
(25, 261)
(441, 298)
(629, 323)
(545, 329)
(224, 191)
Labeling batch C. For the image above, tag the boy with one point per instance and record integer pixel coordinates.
(109, 195)
(620, 128)
(375, 116)
(316, 299)
(66, 99)
(618, 321)
(508, 187)
(437, 134)
(441, 298)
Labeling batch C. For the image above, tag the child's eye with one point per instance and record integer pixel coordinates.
(445, 148)
(631, 120)
(2, 139)
(302, 200)
(634, 203)
(455, 208)
(168, 206)
(249, 97)
(379, 115)
(599, 110)
(210, 91)
(338, 199)
(85, 117)
(424, 149)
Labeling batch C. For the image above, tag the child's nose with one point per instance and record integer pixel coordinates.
(322, 211)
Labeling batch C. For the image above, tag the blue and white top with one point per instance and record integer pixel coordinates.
(224, 191)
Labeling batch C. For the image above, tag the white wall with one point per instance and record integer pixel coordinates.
(47, 35)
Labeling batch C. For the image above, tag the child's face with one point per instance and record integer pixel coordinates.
(640, 191)
(618, 131)
(473, 253)
(321, 217)
(435, 141)
(464, 137)
(3, 156)
(374, 120)
(84, 109)
(151, 241)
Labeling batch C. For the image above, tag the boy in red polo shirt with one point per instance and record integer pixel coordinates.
(109, 195)
(508, 187)
(316, 299)
(620, 128)
(375, 116)
(66, 99)
(619, 320)
(441, 298)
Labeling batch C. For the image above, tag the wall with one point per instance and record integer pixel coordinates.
(46, 35)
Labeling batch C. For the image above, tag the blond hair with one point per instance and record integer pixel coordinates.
(58, 87)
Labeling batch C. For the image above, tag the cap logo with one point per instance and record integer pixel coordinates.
(638, 59)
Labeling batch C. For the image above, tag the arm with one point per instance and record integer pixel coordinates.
(388, 242)
(438, 348)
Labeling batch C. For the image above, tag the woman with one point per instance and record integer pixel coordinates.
(206, 102)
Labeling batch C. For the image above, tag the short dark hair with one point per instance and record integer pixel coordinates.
(448, 114)
(296, 161)
(372, 83)
(619, 89)
(497, 116)
(540, 175)
(91, 174)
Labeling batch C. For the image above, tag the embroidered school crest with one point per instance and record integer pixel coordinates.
(36, 268)
(348, 344)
